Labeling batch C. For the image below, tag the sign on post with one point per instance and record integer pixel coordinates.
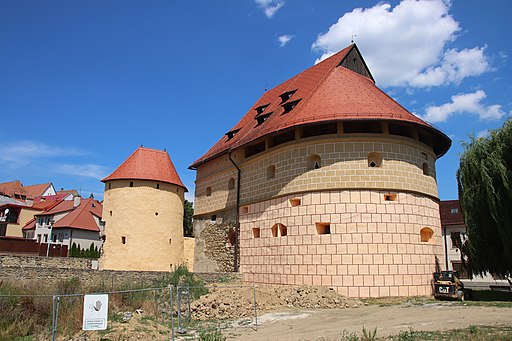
(95, 312)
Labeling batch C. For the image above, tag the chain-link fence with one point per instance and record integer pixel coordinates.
(163, 313)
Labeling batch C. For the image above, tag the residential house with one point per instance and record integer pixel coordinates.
(70, 221)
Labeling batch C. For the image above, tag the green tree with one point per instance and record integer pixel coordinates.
(485, 192)
(74, 252)
(187, 218)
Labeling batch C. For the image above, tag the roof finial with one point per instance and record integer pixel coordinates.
(353, 36)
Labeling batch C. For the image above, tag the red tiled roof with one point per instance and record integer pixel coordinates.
(449, 218)
(68, 192)
(30, 225)
(46, 202)
(327, 92)
(33, 191)
(82, 217)
(12, 187)
(147, 164)
(62, 206)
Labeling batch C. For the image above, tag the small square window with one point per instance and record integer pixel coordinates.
(390, 197)
(454, 211)
(256, 232)
(131, 183)
(295, 202)
(323, 228)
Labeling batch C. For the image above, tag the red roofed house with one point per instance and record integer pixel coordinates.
(326, 180)
(16, 190)
(143, 214)
(67, 222)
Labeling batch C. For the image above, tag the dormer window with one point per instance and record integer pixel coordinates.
(262, 118)
(290, 105)
(287, 95)
(262, 108)
(232, 133)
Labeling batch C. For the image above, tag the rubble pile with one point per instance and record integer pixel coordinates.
(230, 302)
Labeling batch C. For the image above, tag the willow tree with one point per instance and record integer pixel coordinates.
(485, 192)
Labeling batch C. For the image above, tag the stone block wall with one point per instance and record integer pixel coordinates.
(37, 270)
(373, 247)
(344, 165)
(213, 250)
(45, 262)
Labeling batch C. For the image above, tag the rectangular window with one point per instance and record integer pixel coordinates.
(256, 232)
(456, 239)
(323, 228)
(123, 240)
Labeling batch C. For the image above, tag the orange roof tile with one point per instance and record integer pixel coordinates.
(147, 164)
(33, 191)
(327, 91)
(82, 217)
(12, 187)
(62, 206)
(30, 225)
(48, 201)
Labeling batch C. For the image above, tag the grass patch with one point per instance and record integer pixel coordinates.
(473, 333)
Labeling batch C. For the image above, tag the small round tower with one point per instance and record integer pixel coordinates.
(143, 214)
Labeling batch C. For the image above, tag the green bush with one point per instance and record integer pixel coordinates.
(211, 335)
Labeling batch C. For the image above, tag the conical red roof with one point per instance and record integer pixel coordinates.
(339, 88)
(147, 164)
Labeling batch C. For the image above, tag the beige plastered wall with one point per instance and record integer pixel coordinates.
(150, 220)
(188, 252)
(15, 230)
(373, 249)
(344, 165)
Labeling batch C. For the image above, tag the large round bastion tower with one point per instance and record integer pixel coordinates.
(326, 180)
(143, 214)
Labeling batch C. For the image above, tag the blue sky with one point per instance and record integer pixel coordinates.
(84, 83)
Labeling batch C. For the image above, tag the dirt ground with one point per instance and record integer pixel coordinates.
(306, 313)
(322, 324)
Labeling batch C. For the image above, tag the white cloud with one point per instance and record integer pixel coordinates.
(24, 152)
(406, 45)
(270, 7)
(483, 133)
(284, 39)
(464, 103)
(87, 170)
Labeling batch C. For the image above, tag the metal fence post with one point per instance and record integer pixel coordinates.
(254, 302)
(172, 311)
(188, 305)
(55, 317)
(178, 298)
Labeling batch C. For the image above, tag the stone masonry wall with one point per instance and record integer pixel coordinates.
(45, 262)
(52, 270)
(213, 251)
(373, 247)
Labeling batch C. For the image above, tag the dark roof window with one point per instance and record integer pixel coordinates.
(262, 118)
(232, 133)
(262, 108)
(287, 95)
(290, 105)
